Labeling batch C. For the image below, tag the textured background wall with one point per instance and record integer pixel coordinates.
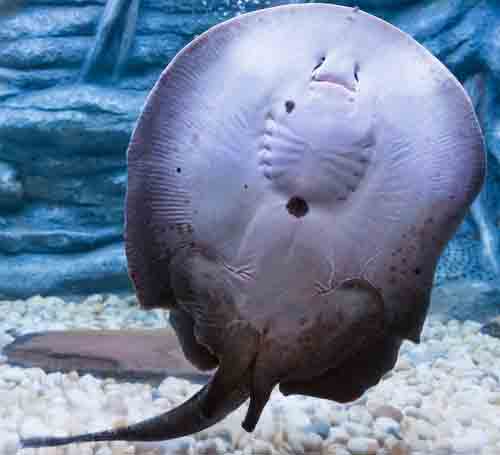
(73, 77)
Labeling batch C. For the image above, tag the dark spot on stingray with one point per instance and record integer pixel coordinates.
(245, 186)
(403, 260)
(178, 170)
(297, 207)
(417, 271)
(289, 106)
(393, 268)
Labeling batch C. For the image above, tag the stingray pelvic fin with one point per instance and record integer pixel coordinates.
(260, 392)
(239, 349)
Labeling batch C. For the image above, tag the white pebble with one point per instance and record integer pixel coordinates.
(14, 375)
(335, 449)
(425, 389)
(9, 443)
(443, 447)
(78, 399)
(300, 442)
(259, 448)
(115, 403)
(339, 435)
(5, 339)
(357, 429)
(211, 447)
(337, 416)
(403, 364)
(363, 446)
(360, 414)
(494, 399)
(388, 411)
(387, 425)
(104, 450)
(33, 426)
(470, 442)
(424, 429)
(312, 443)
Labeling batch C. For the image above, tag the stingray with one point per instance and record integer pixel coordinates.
(292, 181)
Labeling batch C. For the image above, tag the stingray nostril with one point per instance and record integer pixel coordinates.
(356, 71)
(321, 61)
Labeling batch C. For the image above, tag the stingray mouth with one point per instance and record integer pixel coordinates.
(346, 79)
(332, 81)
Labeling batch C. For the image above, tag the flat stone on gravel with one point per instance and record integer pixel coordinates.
(149, 355)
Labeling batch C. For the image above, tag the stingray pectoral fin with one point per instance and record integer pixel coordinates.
(353, 321)
(349, 380)
(183, 420)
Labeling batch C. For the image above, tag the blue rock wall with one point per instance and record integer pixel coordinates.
(73, 77)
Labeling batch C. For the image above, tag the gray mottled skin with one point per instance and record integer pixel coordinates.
(293, 179)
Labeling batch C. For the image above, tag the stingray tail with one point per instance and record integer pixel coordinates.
(187, 418)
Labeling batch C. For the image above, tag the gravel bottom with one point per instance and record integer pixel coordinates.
(442, 398)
